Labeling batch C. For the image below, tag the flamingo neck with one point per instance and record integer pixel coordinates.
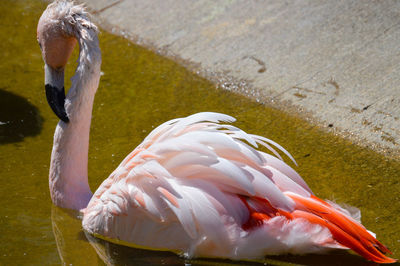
(68, 178)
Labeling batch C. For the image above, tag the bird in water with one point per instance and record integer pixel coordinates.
(196, 185)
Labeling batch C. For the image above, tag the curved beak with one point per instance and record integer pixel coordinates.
(55, 93)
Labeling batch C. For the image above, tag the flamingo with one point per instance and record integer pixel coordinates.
(196, 185)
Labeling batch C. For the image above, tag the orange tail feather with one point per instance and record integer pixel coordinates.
(344, 229)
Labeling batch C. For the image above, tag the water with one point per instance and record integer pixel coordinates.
(138, 91)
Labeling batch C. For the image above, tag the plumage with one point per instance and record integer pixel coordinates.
(196, 185)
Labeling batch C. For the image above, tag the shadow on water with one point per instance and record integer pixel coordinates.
(18, 118)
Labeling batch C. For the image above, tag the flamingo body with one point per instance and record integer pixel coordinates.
(196, 185)
(188, 187)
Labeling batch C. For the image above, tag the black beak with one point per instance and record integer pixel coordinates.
(56, 99)
(55, 93)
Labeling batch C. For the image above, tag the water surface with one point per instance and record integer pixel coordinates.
(138, 91)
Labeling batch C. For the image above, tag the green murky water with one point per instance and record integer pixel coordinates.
(138, 91)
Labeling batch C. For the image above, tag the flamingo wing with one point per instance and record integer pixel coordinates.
(200, 188)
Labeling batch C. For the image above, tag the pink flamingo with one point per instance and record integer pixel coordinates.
(193, 186)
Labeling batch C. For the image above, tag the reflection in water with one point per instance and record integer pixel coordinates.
(74, 246)
(112, 254)
(18, 118)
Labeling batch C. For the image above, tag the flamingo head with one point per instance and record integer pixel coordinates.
(59, 29)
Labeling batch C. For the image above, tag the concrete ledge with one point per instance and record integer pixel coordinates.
(336, 60)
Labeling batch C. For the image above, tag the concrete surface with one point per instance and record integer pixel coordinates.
(337, 61)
